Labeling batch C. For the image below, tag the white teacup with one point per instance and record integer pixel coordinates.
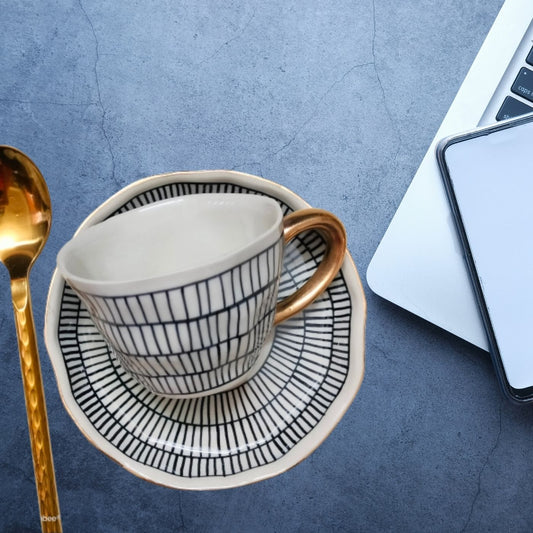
(185, 290)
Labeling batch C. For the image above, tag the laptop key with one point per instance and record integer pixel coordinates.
(523, 85)
(512, 107)
(529, 58)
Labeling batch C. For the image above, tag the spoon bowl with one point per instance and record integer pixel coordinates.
(25, 211)
(25, 219)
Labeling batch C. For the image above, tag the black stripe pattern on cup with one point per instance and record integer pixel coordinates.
(198, 337)
(230, 433)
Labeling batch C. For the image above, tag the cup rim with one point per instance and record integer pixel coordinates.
(102, 287)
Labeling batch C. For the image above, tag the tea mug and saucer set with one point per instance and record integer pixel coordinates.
(206, 329)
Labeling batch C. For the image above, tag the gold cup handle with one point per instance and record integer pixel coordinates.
(331, 228)
(36, 408)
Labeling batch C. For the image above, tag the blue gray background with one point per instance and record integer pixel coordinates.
(337, 101)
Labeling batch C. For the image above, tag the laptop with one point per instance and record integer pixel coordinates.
(418, 264)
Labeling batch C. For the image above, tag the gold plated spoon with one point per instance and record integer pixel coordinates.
(25, 217)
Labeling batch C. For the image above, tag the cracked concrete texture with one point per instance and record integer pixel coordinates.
(480, 476)
(337, 101)
(99, 92)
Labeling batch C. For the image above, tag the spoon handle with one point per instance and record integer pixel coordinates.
(36, 407)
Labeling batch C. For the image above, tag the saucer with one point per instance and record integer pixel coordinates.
(255, 431)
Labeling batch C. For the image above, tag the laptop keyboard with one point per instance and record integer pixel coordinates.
(523, 89)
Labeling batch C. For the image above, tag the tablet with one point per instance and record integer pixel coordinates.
(488, 175)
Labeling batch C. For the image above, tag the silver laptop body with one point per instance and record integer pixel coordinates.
(418, 264)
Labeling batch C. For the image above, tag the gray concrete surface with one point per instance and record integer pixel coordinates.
(337, 101)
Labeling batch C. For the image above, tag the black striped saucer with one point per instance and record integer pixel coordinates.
(252, 432)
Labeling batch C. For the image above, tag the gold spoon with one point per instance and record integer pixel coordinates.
(25, 217)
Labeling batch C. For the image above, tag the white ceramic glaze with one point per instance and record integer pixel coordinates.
(258, 429)
(170, 243)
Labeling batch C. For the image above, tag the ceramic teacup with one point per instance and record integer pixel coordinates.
(185, 291)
